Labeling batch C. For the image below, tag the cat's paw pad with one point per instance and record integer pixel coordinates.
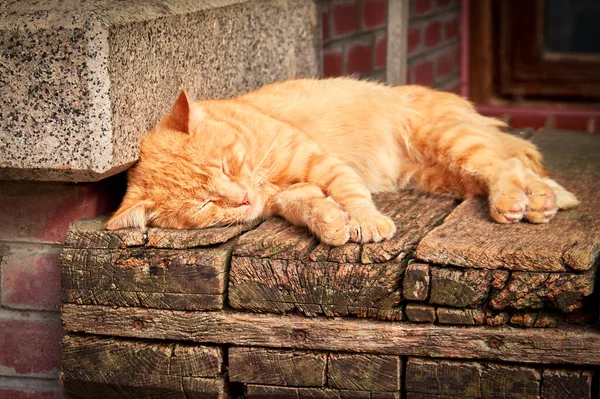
(542, 203)
(370, 226)
(331, 225)
(536, 203)
(509, 206)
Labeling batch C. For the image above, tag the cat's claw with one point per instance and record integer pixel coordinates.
(370, 226)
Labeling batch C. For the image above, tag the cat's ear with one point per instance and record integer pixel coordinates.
(179, 118)
(131, 214)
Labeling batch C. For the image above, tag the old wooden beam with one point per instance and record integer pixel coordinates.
(101, 367)
(280, 268)
(277, 367)
(569, 345)
(361, 372)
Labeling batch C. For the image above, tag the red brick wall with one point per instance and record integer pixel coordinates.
(434, 44)
(354, 40)
(34, 218)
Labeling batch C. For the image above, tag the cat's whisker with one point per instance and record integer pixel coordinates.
(256, 168)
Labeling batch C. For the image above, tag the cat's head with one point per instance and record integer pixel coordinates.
(193, 172)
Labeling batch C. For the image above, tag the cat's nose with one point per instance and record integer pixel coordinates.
(245, 200)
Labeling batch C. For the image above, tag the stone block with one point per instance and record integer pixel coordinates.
(85, 81)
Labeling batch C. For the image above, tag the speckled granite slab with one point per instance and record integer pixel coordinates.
(82, 82)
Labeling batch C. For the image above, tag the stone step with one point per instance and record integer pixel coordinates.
(82, 82)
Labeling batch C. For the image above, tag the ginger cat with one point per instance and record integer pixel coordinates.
(313, 151)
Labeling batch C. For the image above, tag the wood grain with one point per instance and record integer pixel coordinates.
(275, 392)
(441, 377)
(362, 372)
(460, 288)
(567, 384)
(416, 282)
(280, 268)
(569, 345)
(184, 239)
(277, 367)
(279, 285)
(420, 313)
(90, 233)
(515, 382)
(193, 279)
(100, 367)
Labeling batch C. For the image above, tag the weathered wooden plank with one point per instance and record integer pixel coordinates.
(280, 268)
(277, 367)
(468, 317)
(84, 356)
(184, 239)
(280, 285)
(420, 313)
(569, 242)
(444, 378)
(518, 382)
(90, 233)
(362, 372)
(193, 279)
(416, 282)
(535, 319)
(460, 288)
(111, 386)
(414, 213)
(569, 345)
(567, 384)
(563, 291)
(275, 392)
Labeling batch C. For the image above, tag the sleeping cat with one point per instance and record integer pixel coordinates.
(313, 151)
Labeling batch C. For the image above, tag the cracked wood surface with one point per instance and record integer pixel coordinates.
(277, 367)
(569, 345)
(570, 242)
(269, 391)
(193, 279)
(101, 367)
(279, 268)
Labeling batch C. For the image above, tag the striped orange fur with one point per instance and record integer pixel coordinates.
(313, 151)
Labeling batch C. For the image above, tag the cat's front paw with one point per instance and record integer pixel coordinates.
(370, 226)
(331, 224)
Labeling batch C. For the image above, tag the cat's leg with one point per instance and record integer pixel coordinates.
(476, 151)
(305, 204)
(339, 181)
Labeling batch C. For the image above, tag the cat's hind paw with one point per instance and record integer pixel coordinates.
(370, 226)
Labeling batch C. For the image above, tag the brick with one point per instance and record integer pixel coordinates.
(29, 345)
(452, 28)
(446, 64)
(528, 120)
(414, 39)
(375, 14)
(359, 59)
(28, 394)
(43, 212)
(346, 18)
(422, 7)
(332, 63)
(31, 277)
(433, 34)
(381, 52)
(325, 26)
(571, 122)
(423, 73)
